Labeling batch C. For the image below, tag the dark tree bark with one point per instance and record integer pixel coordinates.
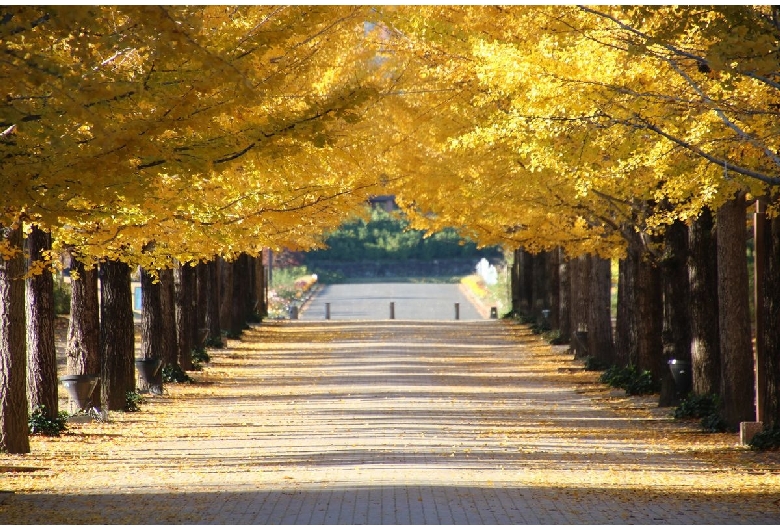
(41, 351)
(703, 281)
(213, 303)
(238, 302)
(261, 289)
(527, 280)
(649, 317)
(553, 274)
(626, 337)
(83, 348)
(200, 301)
(168, 303)
(580, 273)
(599, 287)
(541, 286)
(152, 331)
(14, 435)
(516, 288)
(226, 294)
(564, 300)
(769, 337)
(117, 335)
(676, 292)
(736, 351)
(184, 281)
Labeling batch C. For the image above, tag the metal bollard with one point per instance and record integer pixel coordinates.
(493, 312)
(457, 311)
(392, 310)
(327, 310)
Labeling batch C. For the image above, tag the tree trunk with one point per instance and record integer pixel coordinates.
(599, 286)
(541, 285)
(213, 303)
(14, 433)
(238, 300)
(199, 301)
(527, 279)
(515, 281)
(152, 331)
(262, 303)
(41, 352)
(168, 303)
(83, 348)
(626, 338)
(676, 292)
(554, 288)
(580, 273)
(184, 276)
(649, 317)
(564, 298)
(703, 278)
(117, 335)
(736, 352)
(226, 295)
(769, 337)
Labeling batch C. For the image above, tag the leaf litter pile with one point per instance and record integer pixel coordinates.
(346, 405)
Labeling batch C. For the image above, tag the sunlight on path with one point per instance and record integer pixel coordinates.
(477, 409)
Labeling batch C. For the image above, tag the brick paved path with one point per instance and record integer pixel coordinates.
(387, 422)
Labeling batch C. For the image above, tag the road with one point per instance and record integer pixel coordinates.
(372, 302)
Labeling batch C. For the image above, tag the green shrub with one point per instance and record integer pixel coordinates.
(132, 399)
(199, 357)
(172, 373)
(766, 440)
(39, 423)
(695, 406)
(714, 423)
(593, 364)
(630, 379)
(62, 293)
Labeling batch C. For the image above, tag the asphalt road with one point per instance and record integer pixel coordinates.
(372, 302)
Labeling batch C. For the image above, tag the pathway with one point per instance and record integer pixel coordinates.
(372, 301)
(386, 422)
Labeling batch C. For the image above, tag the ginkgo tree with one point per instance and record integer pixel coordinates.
(630, 119)
(133, 106)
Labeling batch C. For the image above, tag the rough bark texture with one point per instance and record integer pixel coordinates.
(626, 338)
(83, 347)
(770, 335)
(527, 279)
(564, 298)
(703, 278)
(580, 273)
(736, 351)
(554, 283)
(117, 335)
(540, 288)
(152, 329)
(213, 295)
(676, 291)
(41, 352)
(600, 343)
(239, 299)
(262, 303)
(226, 293)
(200, 301)
(649, 317)
(14, 436)
(184, 281)
(168, 305)
(515, 282)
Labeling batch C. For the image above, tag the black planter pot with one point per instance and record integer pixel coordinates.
(147, 368)
(80, 388)
(682, 376)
